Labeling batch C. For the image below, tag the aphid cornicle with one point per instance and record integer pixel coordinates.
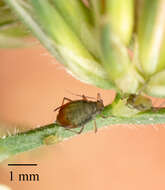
(77, 113)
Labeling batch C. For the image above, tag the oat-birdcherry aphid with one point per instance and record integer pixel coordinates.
(76, 113)
(139, 102)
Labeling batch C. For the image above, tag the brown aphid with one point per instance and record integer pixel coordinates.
(76, 113)
(139, 102)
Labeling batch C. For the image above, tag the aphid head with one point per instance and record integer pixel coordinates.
(100, 105)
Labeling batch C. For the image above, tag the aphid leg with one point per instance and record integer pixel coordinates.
(95, 126)
(99, 98)
(65, 99)
(81, 129)
(76, 131)
(62, 103)
(57, 108)
(103, 116)
(84, 97)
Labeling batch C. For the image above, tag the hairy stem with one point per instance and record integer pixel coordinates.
(32, 139)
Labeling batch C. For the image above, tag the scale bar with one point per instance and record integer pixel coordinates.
(22, 164)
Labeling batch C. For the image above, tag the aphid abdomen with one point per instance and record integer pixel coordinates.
(85, 112)
(76, 113)
(79, 113)
(61, 117)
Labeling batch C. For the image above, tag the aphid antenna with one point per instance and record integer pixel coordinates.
(80, 95)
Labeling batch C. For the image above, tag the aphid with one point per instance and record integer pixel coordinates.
(139, 102)
(76, 113)
(51, 139)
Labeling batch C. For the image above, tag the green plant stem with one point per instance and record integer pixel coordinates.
(32, 139)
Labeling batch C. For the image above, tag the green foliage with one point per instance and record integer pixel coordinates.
(12, 31)
(53, 133)
(94, 42)
(102, 44)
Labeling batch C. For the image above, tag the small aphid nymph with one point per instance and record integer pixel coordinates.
(51, 139)
(78, 112)
(139, 102)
